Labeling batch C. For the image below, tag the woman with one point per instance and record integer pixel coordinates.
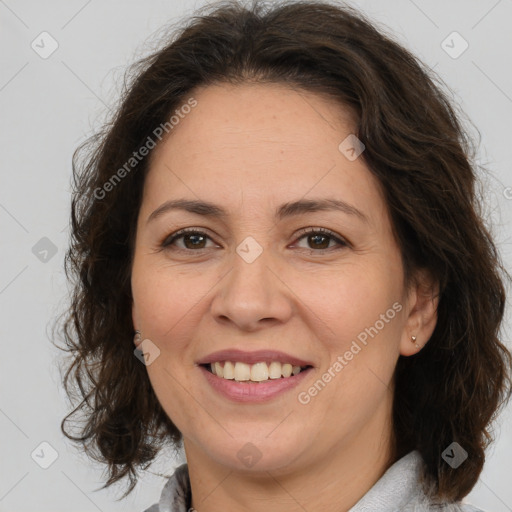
(281, 224)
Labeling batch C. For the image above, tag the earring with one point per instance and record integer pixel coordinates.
(413, 339)
(137, 338)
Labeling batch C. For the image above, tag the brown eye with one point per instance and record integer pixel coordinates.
(196, 241)
(192, 240)
(318, 239)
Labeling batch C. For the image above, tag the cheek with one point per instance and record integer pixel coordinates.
(351, 298)
(360, 328)
(162, 296)
(361, 325)
(164, 306)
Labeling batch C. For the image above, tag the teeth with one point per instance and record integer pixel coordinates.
(286, 369)
(219, 370)
(242, 371)
(257, 372)
(274, 370)
(229, 370)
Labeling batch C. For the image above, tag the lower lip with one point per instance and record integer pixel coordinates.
(253, 391)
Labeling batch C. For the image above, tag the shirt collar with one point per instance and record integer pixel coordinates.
(397, 488)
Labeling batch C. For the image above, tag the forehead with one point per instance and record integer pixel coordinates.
(269, 142)
(243, 118)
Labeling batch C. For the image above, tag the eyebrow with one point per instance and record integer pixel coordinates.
(285, 210)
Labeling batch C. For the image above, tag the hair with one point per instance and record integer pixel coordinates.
(422, 157)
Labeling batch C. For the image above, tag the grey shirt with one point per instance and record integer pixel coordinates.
(398, 490)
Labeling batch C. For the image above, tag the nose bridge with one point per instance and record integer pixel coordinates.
(252, 263)
(251, 291)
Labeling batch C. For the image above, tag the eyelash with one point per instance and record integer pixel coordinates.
(170, 239)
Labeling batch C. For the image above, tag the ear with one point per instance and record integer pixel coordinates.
(421, 311)
(136, 340)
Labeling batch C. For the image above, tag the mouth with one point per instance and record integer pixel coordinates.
(259, 372)
(253, 377)
(255, 383)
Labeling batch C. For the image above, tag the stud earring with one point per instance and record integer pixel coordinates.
(413, 339)
(137, 338)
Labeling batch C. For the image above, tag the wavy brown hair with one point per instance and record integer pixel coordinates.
(417, 148)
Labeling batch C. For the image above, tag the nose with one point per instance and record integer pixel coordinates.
(253, 294)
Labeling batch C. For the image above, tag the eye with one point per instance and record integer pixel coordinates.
(193, 239)
(320, 238)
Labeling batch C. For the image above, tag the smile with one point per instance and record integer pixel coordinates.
(258, 372)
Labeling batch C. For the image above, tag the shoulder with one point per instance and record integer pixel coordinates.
(425, 506)
(402, 488)
(153, 508)
(176, 494)
(462, 507)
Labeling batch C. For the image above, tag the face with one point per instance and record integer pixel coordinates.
(323, 286)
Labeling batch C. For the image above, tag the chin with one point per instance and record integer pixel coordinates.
(253, 454)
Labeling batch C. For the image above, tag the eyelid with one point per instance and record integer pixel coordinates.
(168, 239)
(340, 240)
(340, 243)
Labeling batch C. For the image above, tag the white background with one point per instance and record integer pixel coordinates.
(50, 105)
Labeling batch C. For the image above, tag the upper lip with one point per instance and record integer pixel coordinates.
(233, 354)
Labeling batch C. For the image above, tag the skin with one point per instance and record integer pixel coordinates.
(250, 148)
